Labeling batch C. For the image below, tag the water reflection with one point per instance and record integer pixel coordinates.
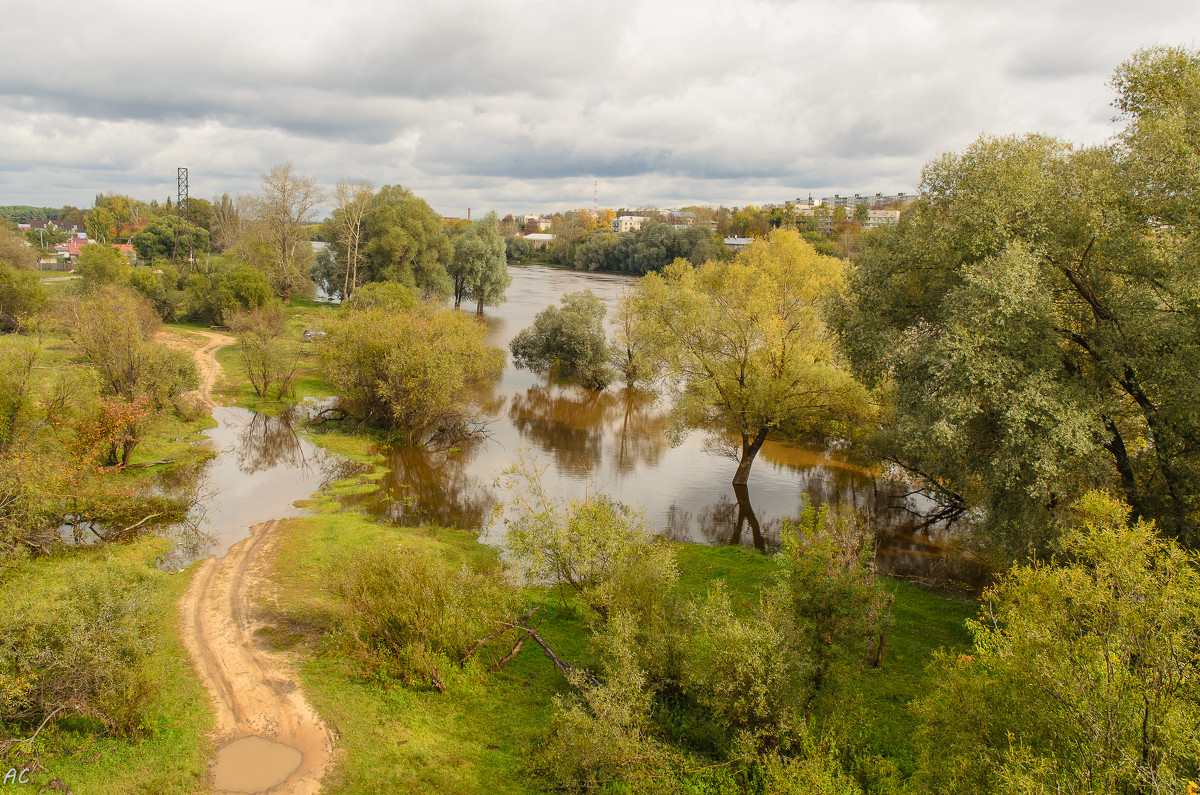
(613, 441)
(261, 468)
(431, 487)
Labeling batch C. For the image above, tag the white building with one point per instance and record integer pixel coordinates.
(878, 218)
(628, 223)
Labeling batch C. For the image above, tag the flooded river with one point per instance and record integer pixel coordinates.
(610, 441)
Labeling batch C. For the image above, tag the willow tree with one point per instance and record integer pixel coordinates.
(1037, 317)
(479, 268)
(745, 349)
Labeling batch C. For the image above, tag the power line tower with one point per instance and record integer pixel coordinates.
(595, 194)
(183, 212)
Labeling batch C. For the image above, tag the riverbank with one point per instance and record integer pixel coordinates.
(477, 736)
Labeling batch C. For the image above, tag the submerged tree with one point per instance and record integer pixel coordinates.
(479, 269)
(744, 346)
(408, 370)
(567, 342)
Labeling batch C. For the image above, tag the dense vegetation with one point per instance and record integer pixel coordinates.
(1025, 344)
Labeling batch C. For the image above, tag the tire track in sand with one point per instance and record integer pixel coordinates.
(253, 693)
(255, 697)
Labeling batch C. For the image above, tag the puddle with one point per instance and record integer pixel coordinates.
(253, 764)
(262, 467)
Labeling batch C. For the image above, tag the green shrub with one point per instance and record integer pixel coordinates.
(1085, 675)
(415, 618)
(77, 645)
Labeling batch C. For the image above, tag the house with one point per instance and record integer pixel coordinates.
(628, 223)
(737, 243)
(540, 238)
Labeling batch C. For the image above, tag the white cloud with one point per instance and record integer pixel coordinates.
(518, 106)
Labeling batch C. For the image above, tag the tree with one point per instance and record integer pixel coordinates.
(99, 225)
(102, 264)
(346, 230)
(114, 328)
(258, 332)
(1083, 673)
(569, 342)
(403, 242)
(1036, 317)
(630, 350)
(227, 223)
(285, 202)
(479, 268)
(861, 213)
(158, 239)
(408, 371)
(745, 346)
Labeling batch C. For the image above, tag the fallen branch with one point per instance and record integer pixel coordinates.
(484, 641)
(565, 668)
(512, 655)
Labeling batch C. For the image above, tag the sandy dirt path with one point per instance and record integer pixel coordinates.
(253, 692)
(269, 738)
(205, 353)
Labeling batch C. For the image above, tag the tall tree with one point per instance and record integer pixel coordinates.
(1037, 317)
(285, 202)
(479, 268)
(353, 200)
(745, 347)
(227, 223)
(403, 242)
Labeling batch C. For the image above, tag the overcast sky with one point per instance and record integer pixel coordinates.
(518, 107)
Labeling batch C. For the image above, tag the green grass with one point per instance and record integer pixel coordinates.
(479, 735)
(473, 738)
(173, 754)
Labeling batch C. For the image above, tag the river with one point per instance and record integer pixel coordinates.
(583, 441)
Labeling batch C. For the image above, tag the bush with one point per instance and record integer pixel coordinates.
(21, 297)
(416, 618)
(599, 548)
(100, 264)
(77, 645)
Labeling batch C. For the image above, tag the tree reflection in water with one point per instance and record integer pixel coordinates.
(428, 486)
(577, 426)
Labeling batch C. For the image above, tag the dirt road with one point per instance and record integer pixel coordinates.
(252, 691)
(205, 353)
(269, 738)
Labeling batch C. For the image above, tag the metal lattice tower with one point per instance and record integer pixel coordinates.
(183, 211)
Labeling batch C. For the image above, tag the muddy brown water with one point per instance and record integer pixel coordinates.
(611, 441)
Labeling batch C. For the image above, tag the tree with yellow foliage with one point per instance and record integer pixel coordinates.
(745, 348)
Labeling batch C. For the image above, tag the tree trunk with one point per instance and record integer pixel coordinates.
(479, 309)
(747, 516)
(750, 448)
